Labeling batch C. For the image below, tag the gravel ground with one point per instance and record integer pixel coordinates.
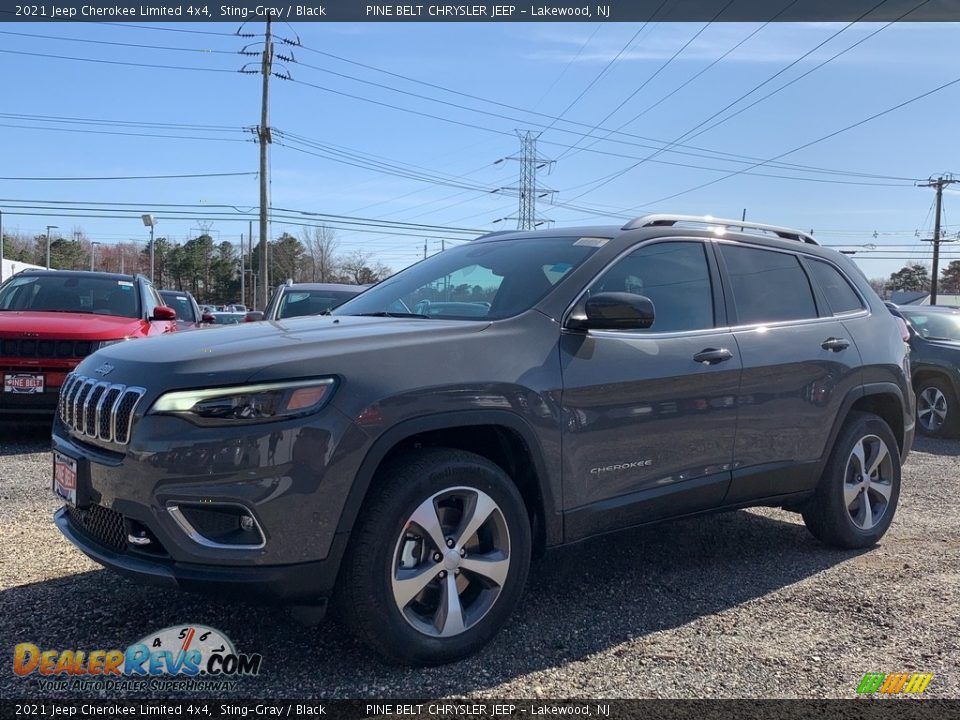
(744, 604)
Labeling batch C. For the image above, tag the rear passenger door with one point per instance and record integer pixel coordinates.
(799, 362)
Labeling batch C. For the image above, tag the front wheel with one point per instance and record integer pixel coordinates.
(857, 496)
(439, 558)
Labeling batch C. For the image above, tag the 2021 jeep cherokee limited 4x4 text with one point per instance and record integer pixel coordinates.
(408, 465)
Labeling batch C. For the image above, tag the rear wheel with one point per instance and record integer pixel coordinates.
(439, 558)
(937, 411)
(857, 496)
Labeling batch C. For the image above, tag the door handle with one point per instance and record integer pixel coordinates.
(712, 356)
(835, 344)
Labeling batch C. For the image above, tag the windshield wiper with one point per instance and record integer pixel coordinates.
(937, 337)
(384, 313)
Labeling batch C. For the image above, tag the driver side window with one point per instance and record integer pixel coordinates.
(674, 275)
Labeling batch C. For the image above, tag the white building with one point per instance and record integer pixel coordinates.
(12, 267)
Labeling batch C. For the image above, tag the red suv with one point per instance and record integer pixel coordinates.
(51, 319)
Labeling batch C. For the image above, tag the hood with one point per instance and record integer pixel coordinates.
(66, 325)
(262, 351)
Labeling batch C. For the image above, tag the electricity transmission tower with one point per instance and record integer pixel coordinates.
(938, 184)
(528, 191)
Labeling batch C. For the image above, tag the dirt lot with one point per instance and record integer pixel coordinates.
(745, 604)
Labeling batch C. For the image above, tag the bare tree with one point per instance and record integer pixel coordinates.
(358, 268)
(322, 243)
(880, 286)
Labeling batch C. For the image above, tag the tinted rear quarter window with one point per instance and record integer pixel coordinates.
(840, 295)
(767, 286)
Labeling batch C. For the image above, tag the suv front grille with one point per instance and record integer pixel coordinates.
(46, 348)
(98, 409)
(102, 524)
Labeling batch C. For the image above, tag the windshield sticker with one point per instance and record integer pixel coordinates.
(125, 283)
(592, 241)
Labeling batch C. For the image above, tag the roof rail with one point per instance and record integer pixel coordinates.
(722, 223)
(495, 233)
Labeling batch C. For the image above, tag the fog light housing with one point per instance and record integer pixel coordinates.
(219, 525)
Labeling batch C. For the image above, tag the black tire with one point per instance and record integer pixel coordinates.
(946, 402)
(828, 516)
(382, 538)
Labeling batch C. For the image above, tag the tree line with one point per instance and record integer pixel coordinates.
(916, 277)
(208, 269)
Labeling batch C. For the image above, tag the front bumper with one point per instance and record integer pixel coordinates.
(291, 478)
(302, 583)
(40, 405)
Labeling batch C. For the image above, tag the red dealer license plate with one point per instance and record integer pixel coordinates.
(65, 477)
(23, 383)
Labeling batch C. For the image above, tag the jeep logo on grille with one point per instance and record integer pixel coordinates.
(104, 369)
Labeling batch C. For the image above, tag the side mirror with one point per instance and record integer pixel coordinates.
(207, 318)
(162, 312)
(613, 311)
(253, 316)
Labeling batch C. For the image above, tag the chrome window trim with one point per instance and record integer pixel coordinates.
(639, 333)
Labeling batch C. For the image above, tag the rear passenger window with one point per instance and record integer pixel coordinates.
(674, 275)
(767, 286)
(835, 286)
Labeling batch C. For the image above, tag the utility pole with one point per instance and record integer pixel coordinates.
(253, 289)
(527, 190)
(425, 249)
(1, 245)
(243, 274)
(266, 68)
(938, 184)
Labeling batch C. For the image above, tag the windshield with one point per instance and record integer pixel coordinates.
(935, 326)
(71, 293)
(297, 303)
(180, 303)
(489, 280)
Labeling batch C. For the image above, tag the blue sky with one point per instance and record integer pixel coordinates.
(530, 66)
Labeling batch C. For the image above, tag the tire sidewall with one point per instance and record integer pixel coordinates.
(863, 426)
(478, 474)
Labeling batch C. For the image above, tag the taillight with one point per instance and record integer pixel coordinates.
(904, 331)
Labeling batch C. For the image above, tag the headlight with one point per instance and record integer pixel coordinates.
(260, 403)
(107, 343)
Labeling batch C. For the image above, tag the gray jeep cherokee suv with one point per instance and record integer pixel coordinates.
(566, 383)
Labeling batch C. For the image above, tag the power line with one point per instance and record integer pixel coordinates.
(124, 134)
(487, 129)
(889, 110)
(179, 30)
(706, 68)
(641, 86)
(606, 68)
(120, 123)
(570, 63)
(118, 44)
(602, 182)
(115, 62)
(132, 177)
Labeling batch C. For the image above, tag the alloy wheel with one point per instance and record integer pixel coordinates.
(868, 482)
(932, 409)
(450, 562)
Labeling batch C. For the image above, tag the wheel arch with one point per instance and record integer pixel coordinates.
(928, 372)
(501, 437)
(882, 399)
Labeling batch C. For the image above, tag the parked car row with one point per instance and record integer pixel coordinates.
(51, 319)
(935, 362)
